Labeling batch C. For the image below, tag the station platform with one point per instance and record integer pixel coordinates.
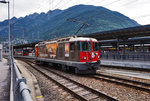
(26, 57)
(126, 63)
(32, 82)
(129, 73)
(4, 80)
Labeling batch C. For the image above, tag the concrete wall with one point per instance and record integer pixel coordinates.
(1, 49)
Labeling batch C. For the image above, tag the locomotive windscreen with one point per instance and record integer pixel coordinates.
(95, 46)
(86, 46)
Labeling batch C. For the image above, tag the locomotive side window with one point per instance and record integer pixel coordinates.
(78, 45)
(86, 46)
(67, 50)
(60, 50)
(95, 46)
(72, 46)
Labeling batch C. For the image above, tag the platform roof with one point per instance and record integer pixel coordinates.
(131, 41)
(138, 31)
(132, 32)
(26, 45)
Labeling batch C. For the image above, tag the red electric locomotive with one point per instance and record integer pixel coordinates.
(78, 53)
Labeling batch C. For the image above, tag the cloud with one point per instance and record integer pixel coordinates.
(130, 8)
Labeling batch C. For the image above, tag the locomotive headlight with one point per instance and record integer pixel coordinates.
(93, 55)
(97, 56)
(84, 58)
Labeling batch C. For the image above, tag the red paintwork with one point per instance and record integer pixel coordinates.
(36, 51)
(88, 55)
(25, 54)
(82, 54)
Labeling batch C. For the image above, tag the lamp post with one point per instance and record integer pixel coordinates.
(8, 31)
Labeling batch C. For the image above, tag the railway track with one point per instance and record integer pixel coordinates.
(81, 92)
(122, 81)
(127, 68)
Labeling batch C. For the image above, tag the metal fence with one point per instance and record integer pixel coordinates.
(18, 90)
(141, 56)
(1, 49)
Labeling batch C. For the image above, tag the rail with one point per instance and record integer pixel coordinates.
(19, 91)
(123, 81)
(72, 86)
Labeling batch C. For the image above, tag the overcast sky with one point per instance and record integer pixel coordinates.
(138, 10)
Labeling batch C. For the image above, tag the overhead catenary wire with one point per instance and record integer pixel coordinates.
(125, 4)
(142, 16)
(90, 1)
(13, 8)
(58, 4)
(77, 2)
(49, 8)
(65, 4)
(61, 4)
(72, 3)
(83, 24)
(112, 2)
(52, 4)
(59, 7)
(128, 3)
(45, 5)
(99, 2)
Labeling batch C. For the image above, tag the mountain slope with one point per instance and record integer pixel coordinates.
(99, 18)
(54, 23)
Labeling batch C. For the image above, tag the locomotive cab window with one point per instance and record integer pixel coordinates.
(95, 46)
(86, 46)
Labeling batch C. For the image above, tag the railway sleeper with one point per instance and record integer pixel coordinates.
(77, 87)
(90, 96)
(73, 87)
